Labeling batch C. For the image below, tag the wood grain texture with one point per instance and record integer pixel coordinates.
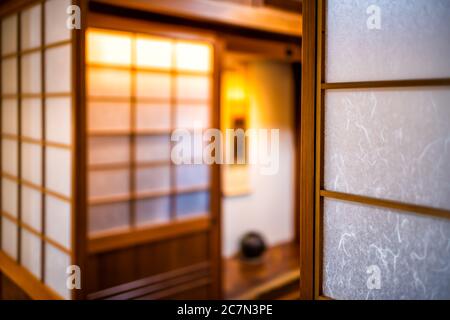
(258, 18)
(307, 149)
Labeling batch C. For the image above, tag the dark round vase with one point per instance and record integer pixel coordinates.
(252, 245)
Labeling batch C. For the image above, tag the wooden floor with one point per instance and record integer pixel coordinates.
(278, 271)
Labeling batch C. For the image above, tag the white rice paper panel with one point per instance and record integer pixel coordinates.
(56, 263)
(9, 196)
(109, 183)
(58, 73)
(152, 211)
(31, 118)
(190, 56)
(9, 238)
(192, 116)
(31, 207)
(390, 144)
(193, 87)
(31, 253)
(192, 204)
(9, 116)
(58, 221)
(194, 175)
(153, 85)
(56, 21)
(108, 48)
(152, 52)
(410, 252)
(411, 43)
(109, 83)
(153, 179)
(153, 116)
(32, 163)
(58, 169)
(111, 216)
(108, 116)
(31, 73)
(9, 76)
(58, 115)
(108, 150)
(9, 34)
(152, 148)
(31, 27)
(9, 156)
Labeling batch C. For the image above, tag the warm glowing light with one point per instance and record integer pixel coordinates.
(154, 52)
(109, 47)
(236, 92)
(191, 56)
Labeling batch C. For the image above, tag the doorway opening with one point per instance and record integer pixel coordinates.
(259, 91)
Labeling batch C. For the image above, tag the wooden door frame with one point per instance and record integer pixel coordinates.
(307, 150)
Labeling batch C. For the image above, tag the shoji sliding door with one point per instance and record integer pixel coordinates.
(36, 141)
(143, 82)
(383, 150)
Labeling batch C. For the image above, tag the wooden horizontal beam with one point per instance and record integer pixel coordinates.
(109, 241)
(386, 84)
(34, 288)
(256, 18)
(389, 204)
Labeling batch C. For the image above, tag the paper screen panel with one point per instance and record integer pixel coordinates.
(409, 252)
(190, 176)
(31, 252)
(9, 34)
(109, 216)
(108, 48)
(58, 74)
(153, 85)
(31, 118)
(192, 116)
(31, 73)
(9, 76)
(153, 52)
(192, 204)
(191, 56)
(58, 220)
(56, 21)
(190, 87)
(389, 143)
(9, 196)
(30, 27)
(108, 83)
(56, 263)
(9, 116)
(106, 183)
(9, 238)
(411, 43)
(152, 211)
(154, 179)
(153, 116)
(10, 156)
(31, 159)
(153, 148)
(104, 116)
(31, 207)
(58, 115)
(58, 169)
(108, 150)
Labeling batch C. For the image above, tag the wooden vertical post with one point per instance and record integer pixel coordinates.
(307, 141)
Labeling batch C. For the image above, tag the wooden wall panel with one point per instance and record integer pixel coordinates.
(109, 269)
